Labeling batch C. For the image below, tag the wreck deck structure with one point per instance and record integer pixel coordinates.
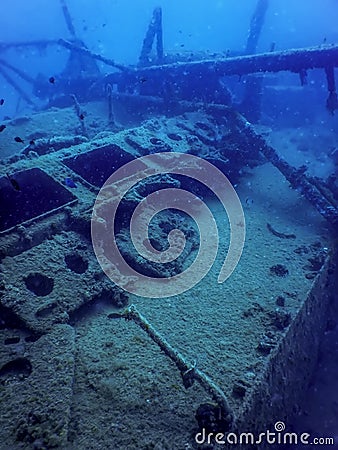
(70, 375)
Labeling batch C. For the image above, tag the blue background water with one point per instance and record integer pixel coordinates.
(115, 29)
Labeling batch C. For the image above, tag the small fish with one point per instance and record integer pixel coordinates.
(81, 116)
(51, 80)
(2, 101)
(249, 201)
(182, 45)
(32, 142)
(18, 139)
(2, 127)
(70, 183)
(14, 183)
(143, 80)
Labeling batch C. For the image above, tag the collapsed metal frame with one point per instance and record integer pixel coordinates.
(296, 60)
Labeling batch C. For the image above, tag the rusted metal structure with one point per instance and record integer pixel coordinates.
(53, 292)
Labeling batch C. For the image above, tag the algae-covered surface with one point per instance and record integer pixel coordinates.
(82, 380)
(126, 391)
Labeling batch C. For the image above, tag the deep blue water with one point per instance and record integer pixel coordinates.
(115, 29)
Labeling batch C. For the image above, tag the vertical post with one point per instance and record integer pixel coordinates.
(251, 103)
(80, 115)
(109, 91)
(68, 19)
(159, 34)
(331, 102)
(154, 29)
(256, 25)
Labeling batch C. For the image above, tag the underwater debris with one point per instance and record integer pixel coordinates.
(154, 30)
(303, 77)
(43, 146)
(317, 261)
(267, 343)
(280, 319)
(188, 377)
(189, 372)
(99, 303)
(332, 101)
(158, 231)
(254, 310)
(279, 270)
(301, 250)
(211, 419)
(240, 387)
(80, 115)
(16, 86)
(14, 183)
(297, 178)
(314, 262)
(278, 234)
(109, 91)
